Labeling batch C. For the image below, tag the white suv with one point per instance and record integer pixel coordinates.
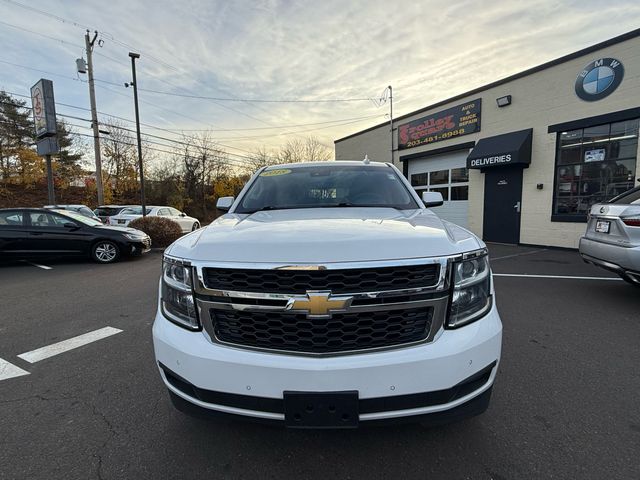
(328, 296)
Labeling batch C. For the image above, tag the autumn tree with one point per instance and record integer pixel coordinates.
(258, 158)
(309, 149)
(68, 160)
(205, 164)
(16, 132)
(119, 158)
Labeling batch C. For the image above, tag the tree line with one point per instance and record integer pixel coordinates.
(189, 172)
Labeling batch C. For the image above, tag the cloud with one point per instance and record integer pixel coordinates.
(275, 49)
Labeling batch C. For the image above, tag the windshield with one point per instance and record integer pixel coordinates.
(80, 218)
(107, 211)
(85, 211)
(327, 186)
(134, 211)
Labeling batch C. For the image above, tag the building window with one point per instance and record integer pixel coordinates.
(594, 165)
(453, 183)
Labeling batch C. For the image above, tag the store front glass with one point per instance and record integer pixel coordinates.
(593, 164)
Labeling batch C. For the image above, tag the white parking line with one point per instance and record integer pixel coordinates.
(517, 254)
(9, 370)
(44, 267)
(66, 345)
(553, 276)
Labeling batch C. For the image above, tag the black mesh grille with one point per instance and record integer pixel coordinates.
(338, 281)
(343, 332)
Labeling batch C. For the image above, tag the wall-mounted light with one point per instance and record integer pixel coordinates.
(540, 186)
(503, 101)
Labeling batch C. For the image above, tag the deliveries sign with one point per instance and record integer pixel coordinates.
(453, 122)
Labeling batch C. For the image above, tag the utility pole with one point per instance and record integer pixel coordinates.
(94, 116)
(391, 119)
(134, 83)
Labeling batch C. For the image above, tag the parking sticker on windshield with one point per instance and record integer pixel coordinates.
(274, 173)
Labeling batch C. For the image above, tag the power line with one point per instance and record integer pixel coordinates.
(180, 130)
(42, 12)
(151, 57)
(163, 129)
(255, 100)
(147, 125)
(271, 128)
(59, 40)
(42, 71)
(247, 137)
(144, 133)
(185, 95)
(237, 162)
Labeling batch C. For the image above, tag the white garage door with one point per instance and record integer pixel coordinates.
(447, 174)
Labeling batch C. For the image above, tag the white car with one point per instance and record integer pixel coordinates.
(187, 223)
(329, 296)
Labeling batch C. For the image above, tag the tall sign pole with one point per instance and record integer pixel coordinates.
(134, 83)
(44, 118)
(94, 116)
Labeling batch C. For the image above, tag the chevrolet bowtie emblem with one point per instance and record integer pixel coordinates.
(319, 304)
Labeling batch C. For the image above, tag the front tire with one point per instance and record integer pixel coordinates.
(195, 226)
(105, 251)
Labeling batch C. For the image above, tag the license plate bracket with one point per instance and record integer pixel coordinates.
(603, 226)
(321, 409)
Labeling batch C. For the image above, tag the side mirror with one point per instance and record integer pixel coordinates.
(70, 226)
(183, 214)
(224, 203)
(432, 199)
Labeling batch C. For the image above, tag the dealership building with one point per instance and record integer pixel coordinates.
(522, 159)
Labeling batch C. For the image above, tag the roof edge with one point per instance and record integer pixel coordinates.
(598, 46)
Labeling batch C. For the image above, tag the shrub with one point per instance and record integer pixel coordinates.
(163, 231)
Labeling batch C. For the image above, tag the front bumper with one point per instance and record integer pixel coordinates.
(615, 258)
(136, 247)
(403, 382)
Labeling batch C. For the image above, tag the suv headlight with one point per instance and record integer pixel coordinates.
(471, 289)
(177, 300)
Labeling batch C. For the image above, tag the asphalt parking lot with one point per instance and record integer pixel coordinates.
(565, 403)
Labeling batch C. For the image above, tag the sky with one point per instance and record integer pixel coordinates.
(240, 52)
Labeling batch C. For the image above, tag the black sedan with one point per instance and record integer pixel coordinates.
(28, 232)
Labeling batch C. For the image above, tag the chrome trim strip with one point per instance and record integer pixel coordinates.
(199, 289)
(441, 284)
(353, 308)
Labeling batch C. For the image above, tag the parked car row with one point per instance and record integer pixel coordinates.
(126, 215)
(121, 215)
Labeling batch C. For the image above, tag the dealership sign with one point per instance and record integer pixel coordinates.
(44, 109)
(452, 122)
(599, 79)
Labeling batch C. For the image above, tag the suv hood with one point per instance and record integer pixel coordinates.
(324, 235)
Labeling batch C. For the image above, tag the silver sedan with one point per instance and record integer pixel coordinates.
(612, 240)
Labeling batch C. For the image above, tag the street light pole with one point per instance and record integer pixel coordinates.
(134, 83)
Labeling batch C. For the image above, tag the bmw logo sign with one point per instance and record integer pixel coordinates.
(599, 79)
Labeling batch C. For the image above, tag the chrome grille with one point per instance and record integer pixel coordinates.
(250, 306)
